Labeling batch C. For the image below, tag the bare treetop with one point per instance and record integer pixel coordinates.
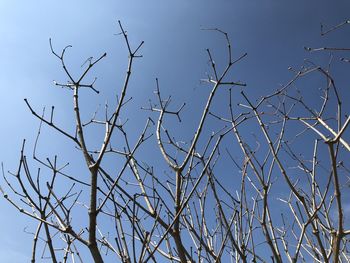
(264, 182)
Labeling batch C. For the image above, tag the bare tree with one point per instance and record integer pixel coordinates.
(277, 199)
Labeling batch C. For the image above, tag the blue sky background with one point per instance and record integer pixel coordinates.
(273, 33)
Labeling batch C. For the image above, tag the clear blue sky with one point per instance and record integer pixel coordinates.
(273, 33)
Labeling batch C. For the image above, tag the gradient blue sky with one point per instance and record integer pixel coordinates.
(272, 32)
